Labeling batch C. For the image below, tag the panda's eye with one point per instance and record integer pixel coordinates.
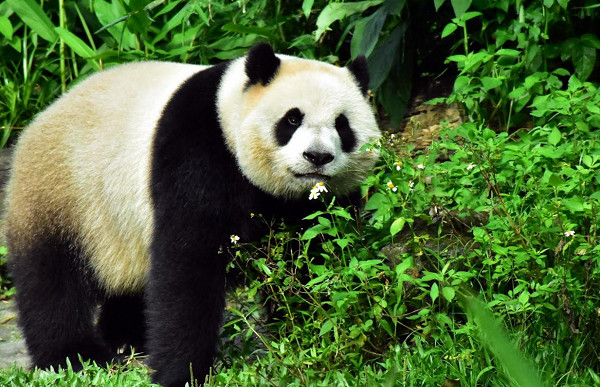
(294, 117)
(293, 120)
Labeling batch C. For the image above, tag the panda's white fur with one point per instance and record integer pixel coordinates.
(88, 214)
(107, 153)
(320, 90)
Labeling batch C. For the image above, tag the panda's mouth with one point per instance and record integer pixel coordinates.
(312, 176)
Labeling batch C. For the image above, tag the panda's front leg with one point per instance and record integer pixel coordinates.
(185, 299)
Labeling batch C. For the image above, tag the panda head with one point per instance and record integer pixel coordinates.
(292, 122)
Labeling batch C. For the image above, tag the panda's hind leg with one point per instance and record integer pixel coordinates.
(121, 322)
(56, 303)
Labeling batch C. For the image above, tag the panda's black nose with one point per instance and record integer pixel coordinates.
(318, 158)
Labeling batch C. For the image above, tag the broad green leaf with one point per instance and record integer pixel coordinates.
(524, 297)
(434, 292)
(307, 7)
(554, 137)
(438, 3)
(508, 52)
(490, 83)
(366, 33)
(584, 59)
(450, 28)
(312, 232)
(6, 27)
(376, 201)
(575, 204)
(335, 11)
(448, 293)
(34, 16)
(397, 225)
(555, 180)
(326, 327)
(343, 243)
(382, 58)
(460, 7)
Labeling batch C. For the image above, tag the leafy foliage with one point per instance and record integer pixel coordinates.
(92, 375)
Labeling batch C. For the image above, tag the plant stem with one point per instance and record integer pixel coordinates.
(61, 23)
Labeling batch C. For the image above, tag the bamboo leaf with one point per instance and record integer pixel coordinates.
(32, 14)
(77, 45)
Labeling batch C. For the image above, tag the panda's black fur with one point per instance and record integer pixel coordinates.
(199, 195)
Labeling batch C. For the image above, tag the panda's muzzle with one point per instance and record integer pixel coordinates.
(318, 159)
(312, 175)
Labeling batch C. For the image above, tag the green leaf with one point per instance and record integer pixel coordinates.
(575, 204)
(490, 83)
(34, 16)
(77, 45)
(366, 33)
(307, 7)
(335, 11)
(397, 225)
(438, 3)
(6, 27)
(448, 293)
(555, 180)
(326, 327)
(312, 232)
(584, 59)
(517, 93)
(554, 137)
(524, 297)
(508, 52)
(460, 7)
(434, 292)
(520, 368)
(382, 59)
(450, 28)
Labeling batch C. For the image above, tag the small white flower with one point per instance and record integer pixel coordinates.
(470, 166)
(369, 150)
(313, 195)
(420, 166)
(391, 186)
(319, 187)
(234, 239)
(569, 233)
(398, 165)
(411, 184)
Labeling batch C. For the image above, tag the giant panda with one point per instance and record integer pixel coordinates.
(125, 191)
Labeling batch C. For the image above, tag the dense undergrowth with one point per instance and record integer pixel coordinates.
(475, 261)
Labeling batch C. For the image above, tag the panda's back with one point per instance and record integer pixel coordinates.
(83, 169)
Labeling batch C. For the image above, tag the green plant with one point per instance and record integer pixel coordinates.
(91, 375)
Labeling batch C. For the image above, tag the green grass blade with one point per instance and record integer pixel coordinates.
(521, 370)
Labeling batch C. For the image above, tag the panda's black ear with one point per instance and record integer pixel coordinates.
(360, 70)
(261, 64)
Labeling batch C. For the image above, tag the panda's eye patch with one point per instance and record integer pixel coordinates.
(287, 125)
(346, 133)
